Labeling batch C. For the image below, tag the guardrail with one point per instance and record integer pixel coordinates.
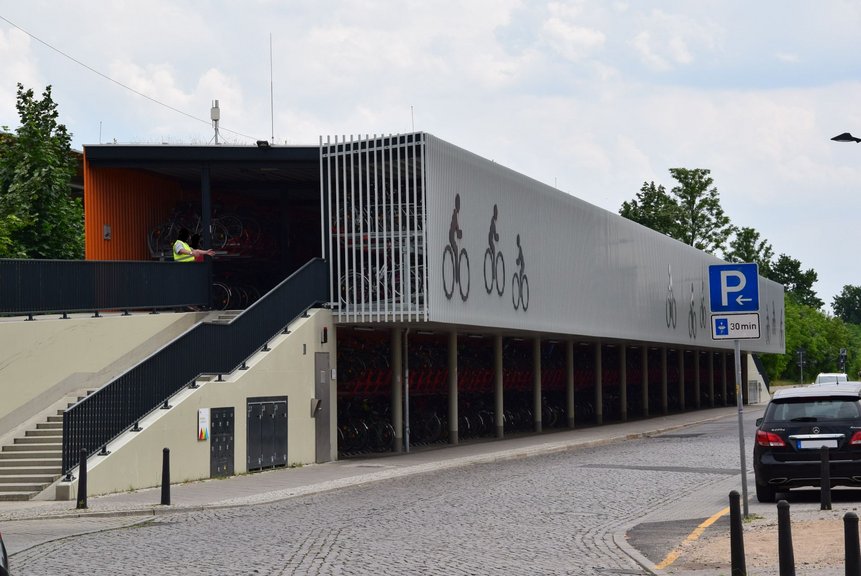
(205, 349)
(30, 287)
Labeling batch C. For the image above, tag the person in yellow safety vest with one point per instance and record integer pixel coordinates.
(182, 252)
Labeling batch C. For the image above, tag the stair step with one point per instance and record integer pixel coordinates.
(26, 467)
(44, 433)
(16, 496)
(51, 425)
(33, 479)
(46, 440)
(23, 487)
(18, 450)
(13, 459)
(54, 419)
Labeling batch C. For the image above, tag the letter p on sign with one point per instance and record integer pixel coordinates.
(731, 281)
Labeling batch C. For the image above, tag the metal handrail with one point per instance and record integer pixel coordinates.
(205, 349)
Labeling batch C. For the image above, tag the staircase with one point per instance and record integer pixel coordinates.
(33, 461)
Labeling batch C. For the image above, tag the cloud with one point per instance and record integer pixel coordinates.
(668, 41)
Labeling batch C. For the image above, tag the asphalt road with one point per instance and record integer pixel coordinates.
(589, 511)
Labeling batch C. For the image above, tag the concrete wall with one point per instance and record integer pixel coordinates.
(44, 359)
(287, 369)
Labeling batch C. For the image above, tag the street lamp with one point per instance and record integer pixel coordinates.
(846, 137)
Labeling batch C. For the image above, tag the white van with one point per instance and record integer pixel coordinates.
(830, 378)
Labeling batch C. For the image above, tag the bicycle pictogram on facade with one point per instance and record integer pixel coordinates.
(692, 316)
(671, 300)
(494, 263)
(455, 263)
(519, 281)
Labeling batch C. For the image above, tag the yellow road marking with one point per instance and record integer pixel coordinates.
(693, 536)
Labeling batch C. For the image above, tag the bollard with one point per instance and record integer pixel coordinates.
(785, 555)
(82, 480)
(851, 548)
(165, 477)
(825, 474)
(736, 538)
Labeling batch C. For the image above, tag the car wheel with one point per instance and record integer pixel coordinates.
(765, 493)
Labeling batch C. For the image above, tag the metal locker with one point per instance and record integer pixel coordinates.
(221, 442)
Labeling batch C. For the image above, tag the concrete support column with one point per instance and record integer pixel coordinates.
(536, 383)
(569, 382)
(664, 404)
(644, 380)
(723, 378)
(599, 389)
(452, 389)
(711, 379)
(697, 394)
(498, 404)
(680, 354)
(397, 402)
(623, 382)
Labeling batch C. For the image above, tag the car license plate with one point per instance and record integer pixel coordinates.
(828, 443)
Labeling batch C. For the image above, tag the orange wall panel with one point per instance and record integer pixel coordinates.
(131, 203)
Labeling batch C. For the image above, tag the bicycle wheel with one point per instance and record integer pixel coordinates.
(463, 265)
(500, 273)
(515, 291)
(488, 270)
(220, 296)
(219, 236)
(524, 292)
(448, 272)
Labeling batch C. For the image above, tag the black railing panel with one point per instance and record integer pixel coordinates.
(47, 286)
(205, 349)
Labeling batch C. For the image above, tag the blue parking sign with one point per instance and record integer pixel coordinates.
(734, 288)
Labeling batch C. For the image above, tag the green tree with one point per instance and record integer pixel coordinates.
(37, 213)
(847, 304)
(701, 220)
(798, 283)
(747, 247)
(653, 208)
(690, 213)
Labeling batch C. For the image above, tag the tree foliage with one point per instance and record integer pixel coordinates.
(746, 246)
(798, 282)
(38, 217)
(847, 304)
(653, 208)
(702, 222)
(820, 337)
(691, 212)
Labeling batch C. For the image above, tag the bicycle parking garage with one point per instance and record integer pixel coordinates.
(391, 379)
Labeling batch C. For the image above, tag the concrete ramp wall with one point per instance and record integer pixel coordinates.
(43, 360)
(286, 369)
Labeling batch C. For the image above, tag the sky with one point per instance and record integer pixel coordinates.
(594, 97)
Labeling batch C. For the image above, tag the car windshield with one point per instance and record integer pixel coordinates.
(812, 410)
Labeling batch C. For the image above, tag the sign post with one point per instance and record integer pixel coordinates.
(734, 302)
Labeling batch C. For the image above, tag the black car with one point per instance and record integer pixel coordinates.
(796, 424)
(4, 559)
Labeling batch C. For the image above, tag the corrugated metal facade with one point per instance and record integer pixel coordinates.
(566, 266)
(122, 206)
(376, 193)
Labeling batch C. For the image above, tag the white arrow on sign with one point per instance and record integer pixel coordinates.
(741, 300)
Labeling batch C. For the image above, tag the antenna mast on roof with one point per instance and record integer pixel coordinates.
(271, 98)
(215, 115)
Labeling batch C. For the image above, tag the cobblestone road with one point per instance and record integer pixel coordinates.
(552, 514)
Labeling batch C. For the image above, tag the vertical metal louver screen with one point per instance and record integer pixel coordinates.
(375, 188)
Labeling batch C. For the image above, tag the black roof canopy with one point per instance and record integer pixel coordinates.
(253, 169)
